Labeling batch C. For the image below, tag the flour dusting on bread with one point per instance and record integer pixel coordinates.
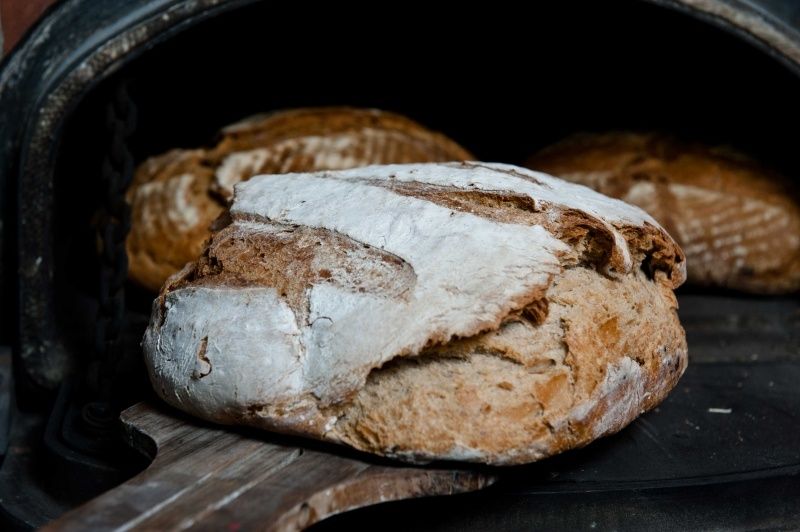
(312, 309)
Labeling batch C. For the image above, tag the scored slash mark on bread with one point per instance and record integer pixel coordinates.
(469, 311)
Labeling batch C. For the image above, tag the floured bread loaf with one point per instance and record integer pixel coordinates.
(738, 223)
(176, 196)
(464, 311)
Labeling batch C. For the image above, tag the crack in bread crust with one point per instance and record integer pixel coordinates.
(291, 259)
(471, 395)
(590, 241)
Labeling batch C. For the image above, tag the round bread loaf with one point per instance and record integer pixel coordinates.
(738, 223)
(176, 196)
(463, 311)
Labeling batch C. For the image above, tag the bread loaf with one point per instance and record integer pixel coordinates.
(464, 311)
(738, 223)
(176, 196)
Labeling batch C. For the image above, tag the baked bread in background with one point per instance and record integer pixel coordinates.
(737, 222)
(464, 311)
(176, 196)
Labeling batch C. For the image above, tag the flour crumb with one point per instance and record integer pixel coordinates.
(719, 410)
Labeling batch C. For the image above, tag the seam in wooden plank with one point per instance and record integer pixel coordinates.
(188, 522)
(158, 507)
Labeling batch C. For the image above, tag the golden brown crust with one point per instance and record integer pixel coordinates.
(738, 222)
(161, 240)
(271, 128)
(176, 196)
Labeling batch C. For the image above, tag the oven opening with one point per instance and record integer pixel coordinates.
(503, 86)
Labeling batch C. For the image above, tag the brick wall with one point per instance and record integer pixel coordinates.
(16, 17)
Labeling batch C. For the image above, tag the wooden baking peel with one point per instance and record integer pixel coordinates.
(206, 477)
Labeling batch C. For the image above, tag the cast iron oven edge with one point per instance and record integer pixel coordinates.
(771, 25)
(39, 85)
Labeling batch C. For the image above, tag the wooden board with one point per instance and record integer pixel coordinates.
(205, 477)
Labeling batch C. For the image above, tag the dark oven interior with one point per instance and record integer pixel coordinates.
(503, 83)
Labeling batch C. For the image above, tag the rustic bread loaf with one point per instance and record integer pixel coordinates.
(465, 311)
(176, 196)
(738, 223)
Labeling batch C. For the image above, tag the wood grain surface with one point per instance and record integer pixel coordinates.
(206, 477)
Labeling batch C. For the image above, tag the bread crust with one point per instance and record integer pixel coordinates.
(471, 311)
(176, 196)
(738, 222)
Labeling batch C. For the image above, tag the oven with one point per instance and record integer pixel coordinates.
(97, 86)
